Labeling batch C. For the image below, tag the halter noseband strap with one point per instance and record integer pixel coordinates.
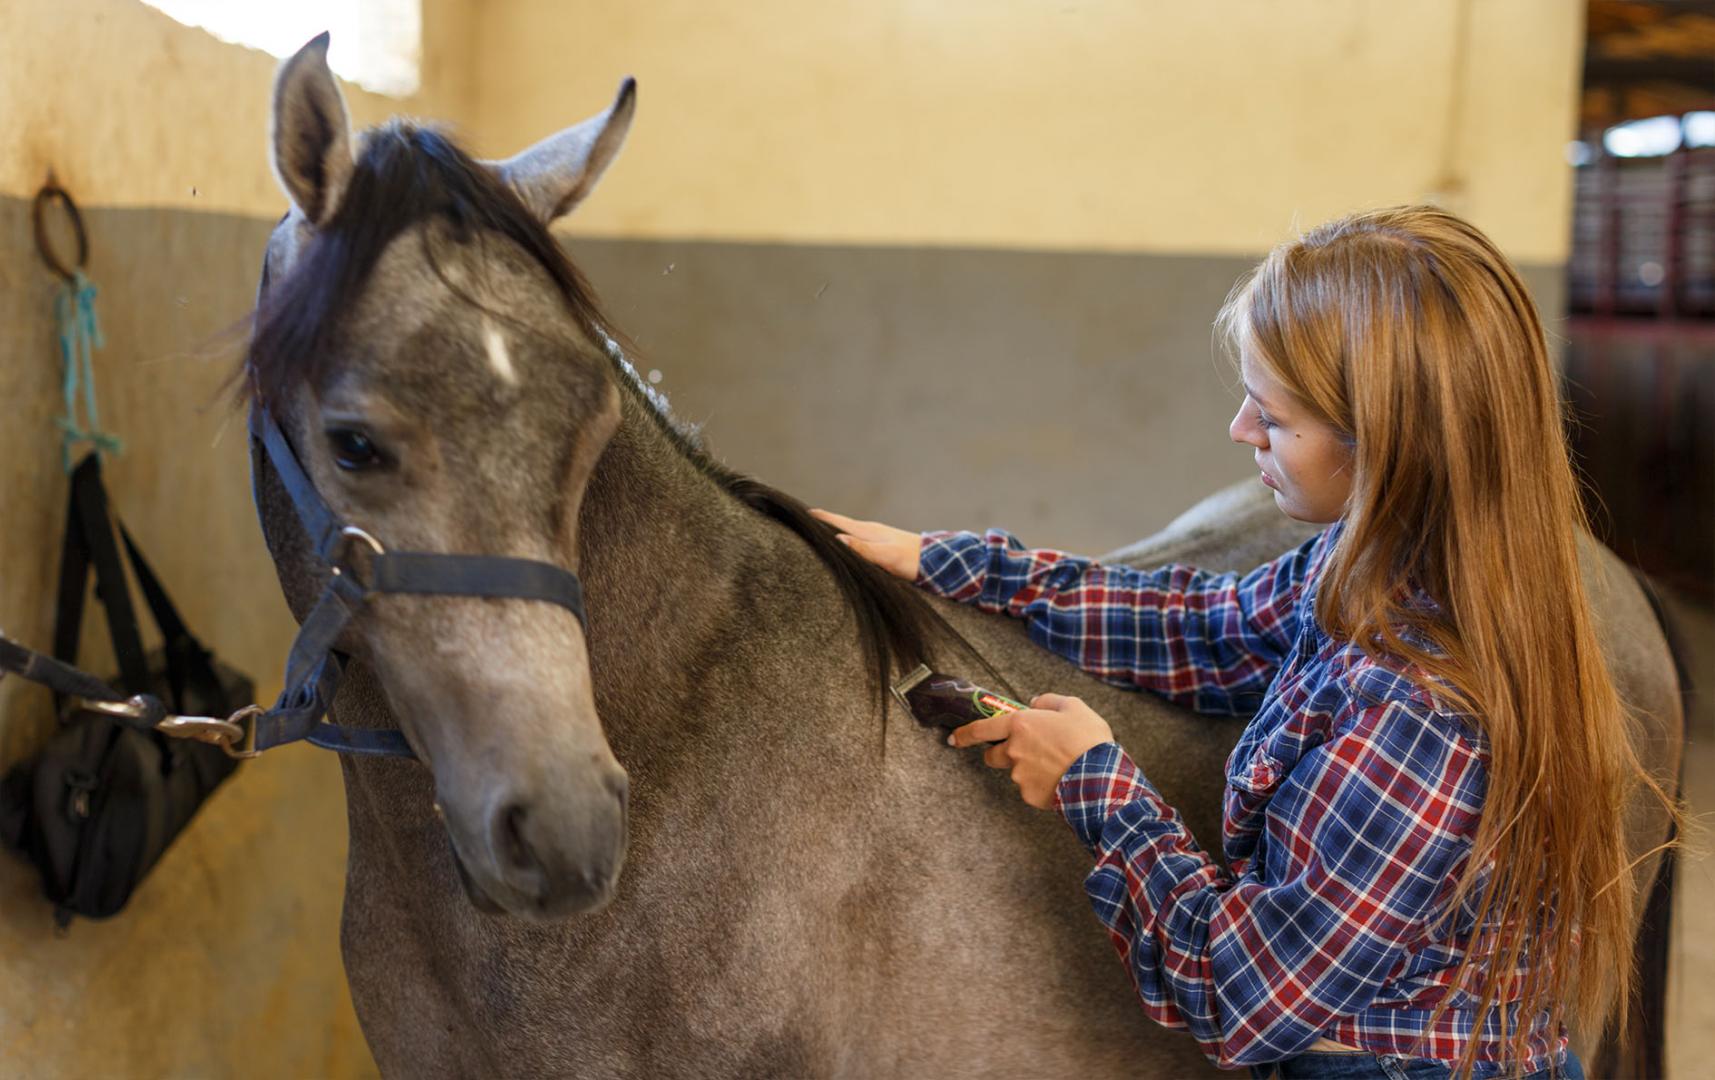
(313, 668)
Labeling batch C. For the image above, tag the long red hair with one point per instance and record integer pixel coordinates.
(1408, 332)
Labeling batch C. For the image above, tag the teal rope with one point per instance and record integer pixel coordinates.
(80, 336)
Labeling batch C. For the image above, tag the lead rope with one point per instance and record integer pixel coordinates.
(80, 336)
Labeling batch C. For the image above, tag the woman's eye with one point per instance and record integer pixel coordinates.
(353, 449)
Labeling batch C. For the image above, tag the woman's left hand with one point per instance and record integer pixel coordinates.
(1037, 744)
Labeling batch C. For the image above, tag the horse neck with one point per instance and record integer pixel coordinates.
(665, 554)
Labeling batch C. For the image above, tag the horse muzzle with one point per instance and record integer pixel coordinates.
(544, 858)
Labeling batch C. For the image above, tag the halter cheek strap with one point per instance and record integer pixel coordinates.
(313, 668)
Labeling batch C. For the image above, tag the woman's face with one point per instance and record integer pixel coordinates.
(1306, 462)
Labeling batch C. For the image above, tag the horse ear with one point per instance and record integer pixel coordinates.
(311, 140)
(557, 173)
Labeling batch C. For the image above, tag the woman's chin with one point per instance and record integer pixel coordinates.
(1286, 505)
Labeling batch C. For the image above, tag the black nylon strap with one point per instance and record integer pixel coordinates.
(187, 660)
(373, 742)
(160, 604)
(477, 575)
(322, 627)
(74, 582)
(313, 683)
(319, 522)
(313, 672)
(96, 534)
(312, 669)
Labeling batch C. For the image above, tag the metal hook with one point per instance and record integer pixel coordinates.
(52, 192)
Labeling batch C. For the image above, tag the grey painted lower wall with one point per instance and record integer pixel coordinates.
(1076, 398)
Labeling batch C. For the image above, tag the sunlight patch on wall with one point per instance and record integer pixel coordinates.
(377, 44)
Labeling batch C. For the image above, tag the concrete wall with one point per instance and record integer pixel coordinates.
(945, 263)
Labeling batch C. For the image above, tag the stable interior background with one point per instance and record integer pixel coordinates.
(943, 264)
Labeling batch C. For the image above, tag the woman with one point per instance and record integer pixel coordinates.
(1424, 871)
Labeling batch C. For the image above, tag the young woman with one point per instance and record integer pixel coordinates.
(1424, 872)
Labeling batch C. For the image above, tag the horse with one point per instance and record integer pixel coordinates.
(693, 839)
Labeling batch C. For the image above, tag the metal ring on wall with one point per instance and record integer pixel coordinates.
(52, 192)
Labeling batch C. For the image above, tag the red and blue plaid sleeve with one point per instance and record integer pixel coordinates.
(1209, 641)
(1371, 827)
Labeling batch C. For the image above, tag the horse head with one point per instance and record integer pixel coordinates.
(439, 367)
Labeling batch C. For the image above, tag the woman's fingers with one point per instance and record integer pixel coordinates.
(1053, 702)
(988, 729)
(873, 531)
(864, 530)
(838, 521)
(894, 550)
(865, 548)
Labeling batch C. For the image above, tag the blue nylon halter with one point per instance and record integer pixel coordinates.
(313, 668)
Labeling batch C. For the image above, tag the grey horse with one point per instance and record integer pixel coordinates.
(695, 842)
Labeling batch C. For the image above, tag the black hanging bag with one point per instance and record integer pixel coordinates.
(98, 807)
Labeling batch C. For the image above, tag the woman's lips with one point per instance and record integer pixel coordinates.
(1269, 480)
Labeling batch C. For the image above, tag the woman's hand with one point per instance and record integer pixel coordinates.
(1038, 744)
(894, 550)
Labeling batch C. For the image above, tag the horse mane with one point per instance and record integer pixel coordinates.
(408, 173)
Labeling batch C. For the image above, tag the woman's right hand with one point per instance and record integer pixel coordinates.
(894, 550)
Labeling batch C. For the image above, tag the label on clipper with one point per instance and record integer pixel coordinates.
(993, 704)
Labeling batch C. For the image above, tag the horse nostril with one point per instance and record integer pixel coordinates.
(514, 849)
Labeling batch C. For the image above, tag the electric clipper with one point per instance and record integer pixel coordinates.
(946, 701)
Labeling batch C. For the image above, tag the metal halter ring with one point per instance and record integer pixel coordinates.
(349, 533)
(352, 532)
(244, 746)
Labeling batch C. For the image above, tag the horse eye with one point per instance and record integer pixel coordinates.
(353, 449)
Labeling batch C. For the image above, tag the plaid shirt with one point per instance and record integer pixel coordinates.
(1351, 804)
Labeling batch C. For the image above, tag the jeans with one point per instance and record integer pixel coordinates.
(1365, 1066)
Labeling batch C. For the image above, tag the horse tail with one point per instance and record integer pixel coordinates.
(1635, 1042)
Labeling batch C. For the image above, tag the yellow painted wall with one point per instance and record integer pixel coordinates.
(1135, 125)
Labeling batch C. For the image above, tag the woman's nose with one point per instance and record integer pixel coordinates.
(1244, 430)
